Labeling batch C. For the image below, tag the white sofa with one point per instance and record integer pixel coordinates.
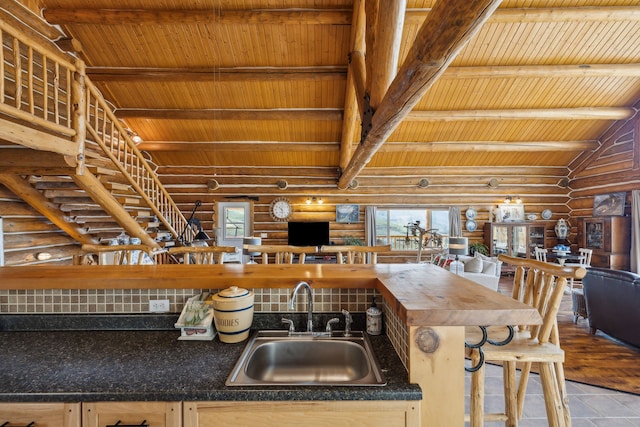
(481, 269)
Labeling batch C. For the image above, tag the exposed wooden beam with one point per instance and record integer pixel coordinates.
(238, 74)
(499, 146)
(35, 199)
(445, 31)
(548, 71)
(354, 95)
(389, 27)
(436, 146)
(220, 114)
(135, 74)
(253, 146)
(62, 16)
(588, 113)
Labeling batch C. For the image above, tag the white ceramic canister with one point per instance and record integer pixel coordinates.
(233, 314)
(374, 319)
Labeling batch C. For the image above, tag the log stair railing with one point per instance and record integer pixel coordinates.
(64, 152)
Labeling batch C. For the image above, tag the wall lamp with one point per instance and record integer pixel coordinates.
(314, 199)
(510, 199)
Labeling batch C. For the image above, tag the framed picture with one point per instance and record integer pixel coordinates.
(609, 204)
(347, 213)
(510, 212)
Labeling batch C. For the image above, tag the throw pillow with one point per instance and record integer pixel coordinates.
(489, 267)
(474, 265)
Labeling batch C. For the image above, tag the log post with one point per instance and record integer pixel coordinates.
(79, 123)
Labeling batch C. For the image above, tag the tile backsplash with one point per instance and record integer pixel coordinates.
(137, 300)
(116, 301)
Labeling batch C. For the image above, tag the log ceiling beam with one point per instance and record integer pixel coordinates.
(242, 74)
(237, 74)
(389, 147)
(587, 113)
(386, 48)
(354, 95)
(447, 29)
(329, 114)
(329, 172)
(62, 16)
(317, 114)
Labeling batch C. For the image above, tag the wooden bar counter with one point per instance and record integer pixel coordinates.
(434, 304)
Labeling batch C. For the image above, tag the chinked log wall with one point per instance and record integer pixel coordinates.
(613, 167)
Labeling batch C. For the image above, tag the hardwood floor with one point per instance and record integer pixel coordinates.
(593, 359)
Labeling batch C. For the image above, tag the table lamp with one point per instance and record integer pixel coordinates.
(250, 241)
(457, 246)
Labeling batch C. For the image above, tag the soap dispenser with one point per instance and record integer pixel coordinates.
(374, 319)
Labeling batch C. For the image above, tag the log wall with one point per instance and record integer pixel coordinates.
(29, 238)
(613, 167)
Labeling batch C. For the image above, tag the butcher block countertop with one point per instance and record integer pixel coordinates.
(421, 294)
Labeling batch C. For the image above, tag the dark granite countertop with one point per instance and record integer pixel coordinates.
(126, 363)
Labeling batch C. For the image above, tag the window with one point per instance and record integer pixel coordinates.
(399, 226)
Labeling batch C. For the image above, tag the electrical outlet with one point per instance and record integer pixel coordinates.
(158, 305)
(263, 235)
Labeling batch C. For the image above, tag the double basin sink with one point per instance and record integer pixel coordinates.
(278, 358)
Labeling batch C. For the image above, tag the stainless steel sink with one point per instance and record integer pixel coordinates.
(274, 358)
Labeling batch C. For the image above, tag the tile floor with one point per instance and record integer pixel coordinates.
(590, 406)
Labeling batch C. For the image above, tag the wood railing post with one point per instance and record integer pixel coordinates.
(79, 120)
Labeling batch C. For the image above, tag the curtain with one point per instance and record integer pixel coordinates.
(370, 225)
(455, 223)
(635, 231)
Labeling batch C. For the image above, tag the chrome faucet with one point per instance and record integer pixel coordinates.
(348, 320)
(310, 303)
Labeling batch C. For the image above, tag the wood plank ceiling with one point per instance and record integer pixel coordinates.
(255, 90)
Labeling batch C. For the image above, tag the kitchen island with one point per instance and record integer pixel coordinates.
(433, 304)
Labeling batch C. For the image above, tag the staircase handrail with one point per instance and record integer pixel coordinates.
(47, 76)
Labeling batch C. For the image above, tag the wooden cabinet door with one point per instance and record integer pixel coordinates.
(42, 414)
(153, 414)
(308, 414)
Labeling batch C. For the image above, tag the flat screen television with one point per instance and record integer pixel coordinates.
(308, 233)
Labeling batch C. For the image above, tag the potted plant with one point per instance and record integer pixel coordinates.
(478, 247)
(352, 241)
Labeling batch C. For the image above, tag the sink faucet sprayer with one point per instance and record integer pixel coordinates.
(310, 303)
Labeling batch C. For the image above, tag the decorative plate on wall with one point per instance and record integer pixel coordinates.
(546, 214)
(471, 213)
(471, 225)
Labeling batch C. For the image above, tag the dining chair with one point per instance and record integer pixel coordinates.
(202, 254)
(541, 254)
(578, 303)
(121, 254)
(540, 285)
(355, 254)
(282, 254)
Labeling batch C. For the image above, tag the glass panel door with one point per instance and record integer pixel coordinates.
(519, 241)
(234, 223)
(500, 240)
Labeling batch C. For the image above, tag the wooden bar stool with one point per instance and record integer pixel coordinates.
(282, 254)
(540, 285)
(203, 254)
(355, 254)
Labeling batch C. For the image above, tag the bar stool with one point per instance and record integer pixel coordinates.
(540, 285)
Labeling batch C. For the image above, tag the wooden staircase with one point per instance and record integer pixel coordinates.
(64, 152)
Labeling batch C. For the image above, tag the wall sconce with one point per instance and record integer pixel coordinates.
(509, 199)
(314, 199)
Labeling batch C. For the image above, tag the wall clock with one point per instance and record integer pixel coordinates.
(280, 209)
